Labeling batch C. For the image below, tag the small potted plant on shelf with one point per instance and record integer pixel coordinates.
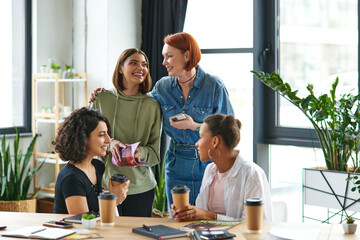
(349, 226)
(55, 68)
(43, 69)
(88, 220)
(69, 73)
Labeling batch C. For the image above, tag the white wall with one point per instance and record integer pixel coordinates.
(102, 30)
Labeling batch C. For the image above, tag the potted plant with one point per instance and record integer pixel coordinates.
(55, 68)
(337, 123)
(69, 72)
(43, 68)
(159, 206)
(349, 226)
(16, 177)
(88, 220)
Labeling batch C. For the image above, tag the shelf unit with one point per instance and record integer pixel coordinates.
(52, 118)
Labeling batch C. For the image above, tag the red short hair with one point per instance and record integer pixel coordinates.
(185, 42)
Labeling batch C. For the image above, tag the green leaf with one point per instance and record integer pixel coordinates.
(16, 176)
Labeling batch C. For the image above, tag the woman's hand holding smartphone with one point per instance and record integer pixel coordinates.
(178, 117)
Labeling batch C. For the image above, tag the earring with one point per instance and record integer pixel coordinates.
(210, 154)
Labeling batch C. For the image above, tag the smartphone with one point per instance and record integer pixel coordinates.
(58, 224)
(209, 236)
(178, 117)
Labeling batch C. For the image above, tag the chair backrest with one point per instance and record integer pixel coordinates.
(280, 211)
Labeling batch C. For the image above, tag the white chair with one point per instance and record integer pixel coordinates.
(280, 211)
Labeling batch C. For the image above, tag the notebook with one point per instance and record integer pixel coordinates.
(83, 233)
(39, 232)
(159, 232)
(77, 218)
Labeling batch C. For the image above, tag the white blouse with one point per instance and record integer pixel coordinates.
(245, 180)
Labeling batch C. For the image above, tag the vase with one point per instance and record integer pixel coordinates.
(349, 228)
(58, 71)
(69, 73)
(88, 223)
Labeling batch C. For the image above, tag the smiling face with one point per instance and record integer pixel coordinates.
(98, 141)
(174, 60)
(204, 143)
(134, 70)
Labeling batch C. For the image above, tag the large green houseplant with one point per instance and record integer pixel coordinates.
(15, 171)
(336, 121)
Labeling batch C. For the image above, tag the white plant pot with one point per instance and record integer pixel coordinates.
(88, 223)
(329, 189)
(349, 228)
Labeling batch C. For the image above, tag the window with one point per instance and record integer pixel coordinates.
(318, 42)
(312, 42)
(225, 36)
(15, 67)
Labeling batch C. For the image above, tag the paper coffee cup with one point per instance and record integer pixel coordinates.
(254, 214)
(107, 204)
(180, 196)
(118, 179)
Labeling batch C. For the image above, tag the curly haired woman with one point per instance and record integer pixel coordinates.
(81, 137)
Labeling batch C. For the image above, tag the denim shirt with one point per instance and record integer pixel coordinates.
(207, 96)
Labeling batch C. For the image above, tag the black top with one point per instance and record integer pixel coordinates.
(72, 181)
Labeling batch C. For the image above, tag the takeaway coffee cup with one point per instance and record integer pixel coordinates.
(107, 204)
(118, 179)
(180, 196)
(254, 214)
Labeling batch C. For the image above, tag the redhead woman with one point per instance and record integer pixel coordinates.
(190, 90)
(82, 136)
(134, 117)
(229, 180)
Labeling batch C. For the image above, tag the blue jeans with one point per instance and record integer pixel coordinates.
(183, 167)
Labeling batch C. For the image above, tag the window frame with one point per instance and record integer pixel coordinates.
(26, 128)
(265, 119)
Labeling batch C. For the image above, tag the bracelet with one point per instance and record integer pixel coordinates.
(198, 127)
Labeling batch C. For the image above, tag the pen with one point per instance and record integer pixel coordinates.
(147, 227)
(40, 230)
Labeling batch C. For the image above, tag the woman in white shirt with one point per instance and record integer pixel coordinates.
(229, 180)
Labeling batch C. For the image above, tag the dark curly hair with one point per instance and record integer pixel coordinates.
(225, 126)
(70, 141)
